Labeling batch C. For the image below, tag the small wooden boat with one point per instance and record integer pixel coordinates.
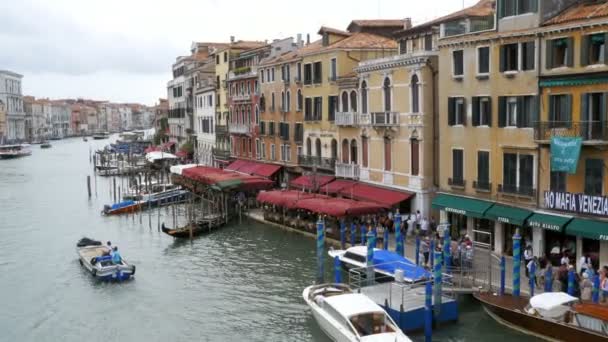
(45, 144)
(205, 225)
(124, 207)
(550, 316)
(95, 258)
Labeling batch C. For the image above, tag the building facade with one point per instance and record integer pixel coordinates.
(11, 96)
(2, 122)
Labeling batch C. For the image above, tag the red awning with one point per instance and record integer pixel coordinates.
(306, 182)
(167, 145)
(364, 192)
(181, 154)
(285, 198)
(339, 207)
(226, 180)
(151, 149)
(336, 186)
(235, 165)
(254, 168)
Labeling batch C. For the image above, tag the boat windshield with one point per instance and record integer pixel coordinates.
(372, 323)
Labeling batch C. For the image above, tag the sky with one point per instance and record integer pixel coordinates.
(122, 50)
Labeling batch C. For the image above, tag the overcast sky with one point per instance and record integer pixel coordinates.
(122, 50)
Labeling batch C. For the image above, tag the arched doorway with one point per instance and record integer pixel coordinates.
(308, 147)
(353, 151)
(334, 149)
(318, 147)
(345, 151)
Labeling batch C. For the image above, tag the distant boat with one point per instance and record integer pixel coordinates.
(95, 258)
(101, 135)
(84, 139)
(45, 144)
(14, 151)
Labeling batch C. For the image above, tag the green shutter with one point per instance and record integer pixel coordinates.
(569, 108)
(502, 111)
(585, 50)
(584, 115)
(501, 8)
(549, 54)
(503, 58)
(533, 114)
(521, 111)
(570, 52)
(451, 110)
(465, 112)
(476, 113)
(489, 111)
(604, 109)
(606, 48)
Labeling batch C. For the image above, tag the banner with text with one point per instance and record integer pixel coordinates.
(565, 153)
(577, 203)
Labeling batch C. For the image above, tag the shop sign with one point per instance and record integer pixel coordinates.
(503, 219)
(456, 211)
(577, 203)
(565, 152)
(543, 225)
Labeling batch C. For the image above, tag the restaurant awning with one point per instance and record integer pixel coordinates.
(286, 198)
(307, 182)
(590, 229)
(364, 192)
(339, 207)
(226, 180)
(254, 168)
(549, 222)
(235, 165)
(462, 205)
(505, 214)
(336, 186)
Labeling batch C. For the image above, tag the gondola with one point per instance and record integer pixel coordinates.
(206, 225)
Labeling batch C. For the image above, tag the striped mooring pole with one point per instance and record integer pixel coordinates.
(343, 234)
(320, 249)
(571, 282)
(549, 279)
(418, 250)
(385, 239)
(595, 297)
(532, 276)
(437, 275)
(447, 255)
(516, 262)
(363, 233)
(503, 266)
(353, 233)
(398, 236)
(432, 254)
(428, 312)
(337, 270)
(371, 243)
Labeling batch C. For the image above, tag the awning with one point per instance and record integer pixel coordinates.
(306, 182)
(178, 169)
(364, 192)
(226, 180)
(339, 207)
(254, 168)
(235, 165)
(549, 222)
(590, 229)
(505, 214)
(462, 205)
(336, 186)
(574, 80)
(286, 198)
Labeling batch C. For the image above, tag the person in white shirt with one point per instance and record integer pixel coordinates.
(527, 258)
(584, 263)
(424, 227)
(565, 260)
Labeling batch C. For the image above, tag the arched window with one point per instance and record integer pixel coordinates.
(308, 147)
(345, 102)
(272, 103)
(248, 115)
(283, 101)
(299, 100)
(353, 151)
(262, 103)
(288, 101)
(257, 115)
(345, 151)
(334, 149)
(353, 101)
(243, 146)
(387, 155)
(415, 153)
(415, 94)
(364, 97)
(318, 147)
(386, 87)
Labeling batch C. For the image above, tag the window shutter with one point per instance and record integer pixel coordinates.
(603, 106)
(606, 48)
(489, 111)
(568, 108)
(534, 6)
(521, 112)
(502, 111)
(585, 50)
(534, 109)
(451, 111)
(551, 108)
(570, 48)
(476, 113)
(501, 8)
(584, 107)
(465, 112)
(549, 55)
(503, 58)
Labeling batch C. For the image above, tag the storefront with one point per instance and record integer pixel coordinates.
(507, 220)
(464, 214)
(590, 235)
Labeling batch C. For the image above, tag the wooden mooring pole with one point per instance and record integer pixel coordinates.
(89, 185)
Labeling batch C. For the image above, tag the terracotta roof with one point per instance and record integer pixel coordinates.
(581, 11)
(282, 58)
(247, 44)
(333, 30)
(377, 22)
(363, 40)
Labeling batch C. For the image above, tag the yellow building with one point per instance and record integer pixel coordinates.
(326, 63)
(574, 93)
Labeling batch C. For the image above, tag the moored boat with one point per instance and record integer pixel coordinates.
(45, 144)
(14, 151)
(154, 200)
(205, 225)
(553, 316)
(123, 207)
(347, 316)
(101, 136)
(95, 258)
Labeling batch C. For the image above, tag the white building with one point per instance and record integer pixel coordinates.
(11, 96)
(60, 119)
(204, 126)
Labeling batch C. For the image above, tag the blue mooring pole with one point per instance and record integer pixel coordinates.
(418, 250)
(516, 262)
(428, 312)
(371, 243)
(363, 233)
(343, 234)
(549, 279)
(353, 233)
(437, 268)
(337, 270)
(447, 256)
(385, 239)
(320, 249)
(398, 236)
(532, 275)
(503, 271)
(571, 282)
(595, 297)
(432, 254)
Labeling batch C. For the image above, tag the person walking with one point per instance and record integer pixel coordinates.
(425, 249)
(584, 263)
(586, 287)
(528, 257)
(424, 227)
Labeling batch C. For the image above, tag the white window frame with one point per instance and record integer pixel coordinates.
(511, 101)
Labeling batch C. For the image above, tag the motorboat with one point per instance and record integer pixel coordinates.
(45, 144)
(101, 135)
(347, 316)
(386, 264)
(95, 258)
(14, 151)
(550, 315)
(138, 191)
(154, 200)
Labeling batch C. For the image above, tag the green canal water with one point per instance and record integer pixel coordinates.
(241, 283)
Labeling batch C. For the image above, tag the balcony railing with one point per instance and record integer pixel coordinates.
(457, 183)
(241, 97)
(345, 170)
(517, 190)
(238, 128)
(320, 162)
(384, 119)
(221, 129)
(221, 153)
(347, 119)
(482, 185)
(588, 130)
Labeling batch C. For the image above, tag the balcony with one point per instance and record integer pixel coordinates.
(221, 153)
(347, 119)
(457, 183)
(221, 129)
(237, 128)
(347, 170)
(590, 131)
(382, 119)
(387, 178)
(482, 186)
(241, 97)
(243, 72)
(510, 189)
(320, 162)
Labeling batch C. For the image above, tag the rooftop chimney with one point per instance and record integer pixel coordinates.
(407, 23)
(307, 38)
(299, 40)
(231, 39)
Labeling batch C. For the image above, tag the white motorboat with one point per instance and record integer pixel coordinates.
(347, 316)
(95, 258)
(14, 151)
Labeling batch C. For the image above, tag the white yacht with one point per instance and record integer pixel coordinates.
(347, 316)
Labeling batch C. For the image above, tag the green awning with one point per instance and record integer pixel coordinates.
(548, 222)
(461, 205)
(505, 214)
(573, 81)
(590, 229)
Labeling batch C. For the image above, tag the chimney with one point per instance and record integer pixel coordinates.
(307, 38)
(231, 39)
(299, 40)
(407, 23)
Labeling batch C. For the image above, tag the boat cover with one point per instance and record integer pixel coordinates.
(156, 155)
(552, 304)
(389, 262)
(122, 204)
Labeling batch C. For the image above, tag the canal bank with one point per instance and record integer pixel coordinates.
(243, 282)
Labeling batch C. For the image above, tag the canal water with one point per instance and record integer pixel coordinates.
(241, 283)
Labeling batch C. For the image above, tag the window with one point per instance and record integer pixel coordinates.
(517, 111)
(258, 149)
(403, 47)
(217, 59)
(528, 56)
(364, 151)
(262, 127)
(308, 73)
(518, 174)
(558, 181)
(428, 42)
(262, 103)
(364, 97)
(288, 101)
(344, 104)
(299, 132)
(272, 103)
(353, 151)
(262, 75)
(308, 113)
(509, 176)
(284, 130)
(308, 147)
(456, 111)
(318, 147)
(333, 72)
(272, 152)
(593, 49)
(509, 57)
(560, 53)
(318, 108)
(271, 128)
(415, 156)
(386, 88)
(457, 167)
(593, 113)
(299, 72)
(594, 174)
(283, 104)
(225, 56)
(483, 170)
(388, 163)
(332, 105)
(507, 8)
(267, 75)
(257, 115)
(415, 95)
(482, 111)
(317, 73)
(272, 74)
(560, 109)
(299, 101)
(263, 150)
(457, 63)
(353, 101)
(483, 60)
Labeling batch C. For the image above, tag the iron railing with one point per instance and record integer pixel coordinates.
(239, 128)
(588, 130)
(320, 162)
(513, 189)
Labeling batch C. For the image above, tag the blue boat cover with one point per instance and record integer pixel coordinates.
(123, 204)
(388, 261)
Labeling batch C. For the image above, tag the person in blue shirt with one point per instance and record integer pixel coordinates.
(116, 258)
